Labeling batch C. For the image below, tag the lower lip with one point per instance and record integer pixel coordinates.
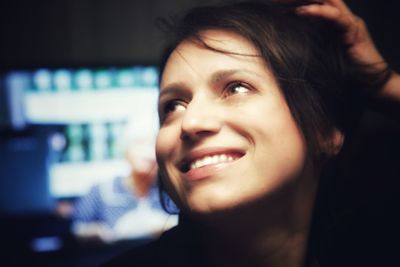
(206, 171)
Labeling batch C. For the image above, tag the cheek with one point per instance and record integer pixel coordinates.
(287, 147)
(164, 150)
(166, 144)
(279, 143)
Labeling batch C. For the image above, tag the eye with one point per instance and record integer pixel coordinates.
(172, 106)
(236, 88)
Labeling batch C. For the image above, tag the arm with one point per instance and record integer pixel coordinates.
(360, 46)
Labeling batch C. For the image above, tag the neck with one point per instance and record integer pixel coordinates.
(270, 233)
(273, 247)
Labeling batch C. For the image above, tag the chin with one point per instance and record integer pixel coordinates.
(209, 205)
(217, 205)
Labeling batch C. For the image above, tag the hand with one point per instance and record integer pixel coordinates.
(360, 46)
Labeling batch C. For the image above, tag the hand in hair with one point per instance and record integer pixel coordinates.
(360, 46)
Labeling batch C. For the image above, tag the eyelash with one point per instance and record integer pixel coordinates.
(233, 85)
(171, 105)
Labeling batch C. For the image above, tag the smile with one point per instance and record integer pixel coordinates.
(210, 156)
(212, 160)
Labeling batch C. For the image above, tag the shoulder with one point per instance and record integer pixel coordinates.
(366, 236)
(175, 248)
(140, 256)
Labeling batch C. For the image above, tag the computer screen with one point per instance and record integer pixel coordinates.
(65, 138)
(88, 112)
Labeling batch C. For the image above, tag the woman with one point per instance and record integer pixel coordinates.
(254, 104)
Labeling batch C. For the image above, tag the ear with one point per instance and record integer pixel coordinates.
(333, 143)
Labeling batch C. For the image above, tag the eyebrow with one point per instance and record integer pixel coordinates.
(172, 89)
(223, 74)
(216, 77)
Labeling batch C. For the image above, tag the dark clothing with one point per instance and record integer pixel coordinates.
(176, 247)
(367, 237)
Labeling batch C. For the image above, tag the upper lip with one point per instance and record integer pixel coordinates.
(195, 154)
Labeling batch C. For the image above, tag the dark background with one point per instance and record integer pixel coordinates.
(51, 33)
(47, 32)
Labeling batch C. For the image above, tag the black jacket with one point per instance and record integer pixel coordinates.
(368, 237)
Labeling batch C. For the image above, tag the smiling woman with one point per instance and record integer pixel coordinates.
(215, 148)
(255, 104)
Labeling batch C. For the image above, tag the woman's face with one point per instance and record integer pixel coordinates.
(227, 136)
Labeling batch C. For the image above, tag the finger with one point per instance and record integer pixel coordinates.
(298, 2)
(339, 4)
(284, 1)
(328, 12)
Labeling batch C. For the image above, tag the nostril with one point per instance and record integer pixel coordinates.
(199, 120)
(185, 137)
(190, 136)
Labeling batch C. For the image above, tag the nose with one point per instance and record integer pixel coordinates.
(201, 119)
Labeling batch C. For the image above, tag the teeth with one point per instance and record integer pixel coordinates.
(208, 160)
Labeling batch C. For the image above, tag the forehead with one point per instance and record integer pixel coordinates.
(228, 41)
(216, 48)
